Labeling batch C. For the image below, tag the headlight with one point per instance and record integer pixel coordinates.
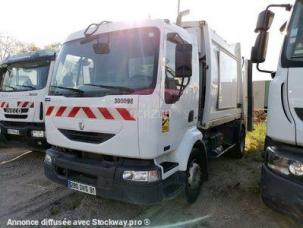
(278, 163)
(38, 134)
(284, 165)
(48, 159)
(296, 168)
(141, 176)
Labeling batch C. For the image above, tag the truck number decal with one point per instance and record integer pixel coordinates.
(124, 100)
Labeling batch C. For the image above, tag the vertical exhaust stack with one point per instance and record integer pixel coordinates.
(180, 15)
(250, 105)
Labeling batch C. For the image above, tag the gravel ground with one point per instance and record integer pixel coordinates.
(230, 198)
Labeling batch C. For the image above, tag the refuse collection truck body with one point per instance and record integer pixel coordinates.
(136, 109)
(24, 82)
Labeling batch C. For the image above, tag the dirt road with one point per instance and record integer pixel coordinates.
(230, 198)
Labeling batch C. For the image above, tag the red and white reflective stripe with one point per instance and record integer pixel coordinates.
(25, 104)
(3, 104)
(91, 113)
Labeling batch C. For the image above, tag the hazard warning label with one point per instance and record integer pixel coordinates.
(165, 122)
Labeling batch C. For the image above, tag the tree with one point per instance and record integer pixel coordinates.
(27, 47)
(53, 47)
(8, 46)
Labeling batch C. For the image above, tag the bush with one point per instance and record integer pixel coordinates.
(255, 139)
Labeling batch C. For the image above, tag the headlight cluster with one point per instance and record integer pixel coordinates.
(48, 159)
(284, 165)
(142, 176)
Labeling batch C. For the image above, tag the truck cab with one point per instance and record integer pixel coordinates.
(282, 171)
(134, 109)
(25, 81)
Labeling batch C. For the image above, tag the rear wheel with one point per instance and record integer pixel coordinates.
(196, 174)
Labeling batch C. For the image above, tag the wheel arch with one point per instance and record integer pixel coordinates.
(192, 139)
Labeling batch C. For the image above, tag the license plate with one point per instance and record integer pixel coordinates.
(13, 132)
(81, 187)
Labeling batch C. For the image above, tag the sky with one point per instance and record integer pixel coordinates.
(43, 21)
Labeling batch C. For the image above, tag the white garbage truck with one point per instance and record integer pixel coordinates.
(24, 82)
(282, 171)
(135, 110)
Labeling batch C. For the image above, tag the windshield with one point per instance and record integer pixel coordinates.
(24, 77)
(120, 62)
(294, 42)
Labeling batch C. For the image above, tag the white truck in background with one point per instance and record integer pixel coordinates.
(25, 80)
(135, 110)
(282, 171)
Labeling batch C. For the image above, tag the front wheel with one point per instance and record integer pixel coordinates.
(196, 174)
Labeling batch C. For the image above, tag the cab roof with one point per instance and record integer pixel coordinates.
(30, 56)
(115, 26)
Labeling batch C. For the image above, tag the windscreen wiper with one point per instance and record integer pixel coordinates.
(79, 91)
(297, 57)
(111, 87)
(11, 87)
(27, 86)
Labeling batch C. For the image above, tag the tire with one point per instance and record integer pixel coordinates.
(239, 150)
(196, 174)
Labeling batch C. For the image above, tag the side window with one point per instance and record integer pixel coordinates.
(177, 78)
(170, 81)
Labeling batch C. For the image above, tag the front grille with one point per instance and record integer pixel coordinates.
(88, 137)
(86, 155)
(11, 124)
(11, 116)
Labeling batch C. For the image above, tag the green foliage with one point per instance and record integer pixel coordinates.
(255, 139)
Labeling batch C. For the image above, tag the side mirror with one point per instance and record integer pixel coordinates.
(265, 20)
(183, 60)
(258, 52)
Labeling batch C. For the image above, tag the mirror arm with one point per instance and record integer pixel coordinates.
(286, 6)
(263, 71)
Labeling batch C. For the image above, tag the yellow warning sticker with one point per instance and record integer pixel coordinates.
(165, 122)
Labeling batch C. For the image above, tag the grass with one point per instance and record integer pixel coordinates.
(255, 139)
(55, 210)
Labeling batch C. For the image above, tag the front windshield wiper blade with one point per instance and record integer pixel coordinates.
(111, 87)
(297, 57)
(27, 86)
(68, 88)
(11, 87)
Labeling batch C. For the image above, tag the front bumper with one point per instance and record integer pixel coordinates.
(281, 192)
(24, 137)
(107, 178)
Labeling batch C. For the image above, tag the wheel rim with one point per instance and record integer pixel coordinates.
(194, 176)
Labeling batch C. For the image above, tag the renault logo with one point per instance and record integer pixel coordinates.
(81, 126)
